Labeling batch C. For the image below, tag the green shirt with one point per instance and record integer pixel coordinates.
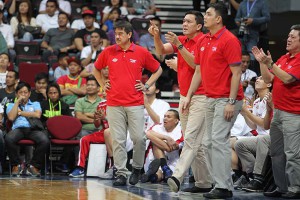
(84, 106)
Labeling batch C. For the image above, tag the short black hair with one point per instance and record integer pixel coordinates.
(221, 10)
(55, 85)
(156, 18)
(55, 2)
(198, 16)
(41, 76)
(22, 84)
(61, 55)
(92, 78)
(64, 13)
(176, 113)
(4, 53)
(15, 72)
(115, 9)
(245, 53)
(296, 27)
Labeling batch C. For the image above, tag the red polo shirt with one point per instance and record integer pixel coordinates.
(215, 54)
(184, 71)
(286, 97)
(125, 67)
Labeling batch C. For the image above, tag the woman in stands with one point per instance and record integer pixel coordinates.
(113, 4)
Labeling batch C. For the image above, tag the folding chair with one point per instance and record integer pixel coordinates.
(27, 71)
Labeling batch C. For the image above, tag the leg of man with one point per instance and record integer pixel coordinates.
(41, 148)
(262, 149)
(246, 150)
(11, 140)
(183, 116)
(221, 151)
(118, 127)
(277, 152)
(291, 135)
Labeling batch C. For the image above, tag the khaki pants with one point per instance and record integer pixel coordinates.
(120, 120)
(217, 142)
(193, 126)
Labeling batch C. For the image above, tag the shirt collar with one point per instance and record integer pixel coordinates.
(218, 34)
(195, 39)
(295, 56)
(131, 48)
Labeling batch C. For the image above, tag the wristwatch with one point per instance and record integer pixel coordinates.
(231, 101)
(180, 47)
(271, 65)
(146, 86)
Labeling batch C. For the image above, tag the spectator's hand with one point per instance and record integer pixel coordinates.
(172, 38)
(228, 112)
(50, 49)
(64, 50)
(172, 143)
(107, 86)
(261, 57)
(172, 63)
(245, 83)
(153, 29)
(269, 100)
(99, 114)
(139, 86)
(185, 105)
(249, 21)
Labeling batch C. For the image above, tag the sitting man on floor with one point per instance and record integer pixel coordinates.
(166, 141)
(19, 112)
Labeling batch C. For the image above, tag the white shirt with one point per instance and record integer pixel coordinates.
(248, 75)
(3, 80)
(46, 22)
(8, 35)
(86, 51)
(260, 109)
(78, 24)
(63, 5)
(240, 128)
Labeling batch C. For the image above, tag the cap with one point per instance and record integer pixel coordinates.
(88, 12)
(74, 59)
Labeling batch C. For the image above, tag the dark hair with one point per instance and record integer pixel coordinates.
(28, 14)
(296, 27)
(41, 76)
(92, 78)
(245, 53)
(125, 25)
(4, 53)
(15, 72)
(61, 55)
(53, 1)
(85, 5)
(64, 13)
(156, 18)
(115, 9)
(120, 3)
(176, 113)
(55, 85)
(198, 16)
(221, 10)
(22, 84)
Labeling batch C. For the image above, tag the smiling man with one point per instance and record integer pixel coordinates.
(125, 102)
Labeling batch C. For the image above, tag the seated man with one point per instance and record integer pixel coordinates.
(140, 8)
(165, 139)
(39, 92)
(4, 64)
(78, 24)
(72, 86)
(18, 113)
(50, 18)
(252, 151)
(64, 6)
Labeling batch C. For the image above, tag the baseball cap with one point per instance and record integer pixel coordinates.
(88, 12)
(74, 59)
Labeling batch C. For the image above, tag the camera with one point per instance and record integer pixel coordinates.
(243, 30)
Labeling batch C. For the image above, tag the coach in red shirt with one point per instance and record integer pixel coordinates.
(285, 125)
(125, 101)
(217, 59)
(193, 120)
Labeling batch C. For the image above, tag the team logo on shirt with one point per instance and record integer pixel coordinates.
(202, 48)
(214, 48)
(290, 66)
(132, 60)
(115, 60)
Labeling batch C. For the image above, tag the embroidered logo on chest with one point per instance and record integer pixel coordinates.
(132, 60)
(115, 60)
(290, 66)
(214, 48)
(202, 48)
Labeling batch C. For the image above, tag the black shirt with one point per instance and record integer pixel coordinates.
(85, 35)
(34, 96)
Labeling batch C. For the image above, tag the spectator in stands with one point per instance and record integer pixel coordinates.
(24, 17)
(3, 45)
(78, 24)
(7, 94)
(85, 107)
(192, 122)
(83, 36)
(18, 112)
(165, 140)
(62, 68)
(4, 64)
(7, 33)
(64, 6)
(59, 39)
(39, 92)
(89, 53)
(246, 147)
(2, 143)
(72, 86)
(140, 7)
(50, 18)
(113, 4)
(284, 129)
(251, 16)
(114, 14)
(247, 75)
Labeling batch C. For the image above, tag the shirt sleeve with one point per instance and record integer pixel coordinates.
(14, 25)
(102, 60)
(78, 105)
(42, 5)
(150, 63)
(9, 107)
(61, 81)
(233, 51)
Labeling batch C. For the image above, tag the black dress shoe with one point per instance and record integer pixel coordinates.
(218, 193)
(291, 195)
(135, 176)
(120, 181)
(274, 193)
(196, 189)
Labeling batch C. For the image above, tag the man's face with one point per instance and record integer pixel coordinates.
(210, 18)
(10, 79)
(260, 83)
(50, 8)
(4, 60)
(53, 94)
(64, 61)
(189, 25)
(63, 20)
(293, 42)
(170, 120)
(245, 62)
(74, 68)
(92, 87)
(105, 72)
(95, 39)
(122, 37)
(23, 92)
(41, 85)
(88, 21)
